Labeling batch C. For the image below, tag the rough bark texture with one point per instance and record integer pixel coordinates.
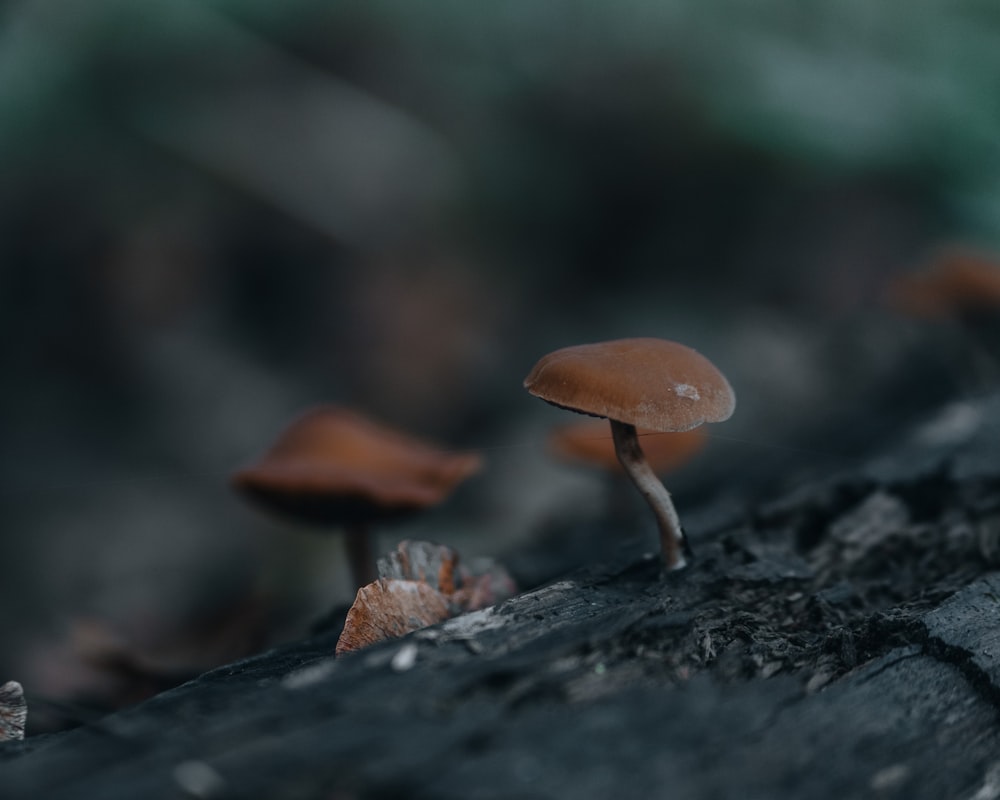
(840, 641)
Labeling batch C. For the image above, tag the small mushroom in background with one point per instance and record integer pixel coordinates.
(138, 658)
(420, 584)
(962, 286)
(588, 443)
(335, 467)
(96, 665)
(13, 711)
(956, 282)
(652, 383)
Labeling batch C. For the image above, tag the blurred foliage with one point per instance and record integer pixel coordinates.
(900, 86)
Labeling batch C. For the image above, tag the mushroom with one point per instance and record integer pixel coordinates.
(589, 442)
(960, 286)
(653, 383)
(332, 466)
(957, 282)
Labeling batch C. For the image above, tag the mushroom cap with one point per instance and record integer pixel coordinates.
(957, 280)
(590, 442)
(650, 383)
(332, 465)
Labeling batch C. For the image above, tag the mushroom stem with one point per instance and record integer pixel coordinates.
(360, 554)
(632, 459)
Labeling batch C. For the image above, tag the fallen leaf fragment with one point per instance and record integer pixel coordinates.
(13, 711)
(389, 608)
(433, 564)
(421, 583)
(484, 584)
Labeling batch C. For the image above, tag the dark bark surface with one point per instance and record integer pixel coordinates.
(839, 641)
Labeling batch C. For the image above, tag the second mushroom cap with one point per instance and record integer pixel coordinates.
(334, 465)
(589, 442)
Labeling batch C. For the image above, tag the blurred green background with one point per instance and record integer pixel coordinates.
(216, 214)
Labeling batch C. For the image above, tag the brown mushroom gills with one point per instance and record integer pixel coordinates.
(335, 467)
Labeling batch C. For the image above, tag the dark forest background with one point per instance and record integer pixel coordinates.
(215, 214)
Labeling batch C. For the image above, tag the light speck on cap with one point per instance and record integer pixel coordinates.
(652, 383)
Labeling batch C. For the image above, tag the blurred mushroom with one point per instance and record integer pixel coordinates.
(961, 286)
(956, 283)
(657, 384)
(142, 657)
(335, 467)
(590, 443)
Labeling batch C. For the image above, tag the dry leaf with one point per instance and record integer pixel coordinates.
(389, 608)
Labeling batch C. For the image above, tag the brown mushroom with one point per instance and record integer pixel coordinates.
(333, 466)
(652, 383)
(589, 442)
(957, 281)
(962, 287)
